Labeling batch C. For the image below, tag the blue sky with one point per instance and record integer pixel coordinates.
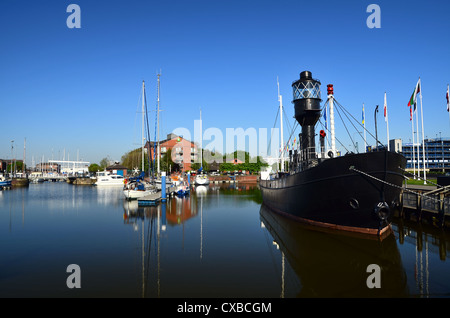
(78, 90)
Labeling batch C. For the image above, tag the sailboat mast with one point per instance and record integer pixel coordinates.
(201, 139)
(24, 154)
(157, 147)
(280, 99)
(143, 115)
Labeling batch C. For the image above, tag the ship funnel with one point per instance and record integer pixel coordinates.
(306, 101)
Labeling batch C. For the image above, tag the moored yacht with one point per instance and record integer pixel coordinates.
(106, 178)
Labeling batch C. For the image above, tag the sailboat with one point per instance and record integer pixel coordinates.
(137, 187)
(353, 193)
(200, 178)
(157, 153)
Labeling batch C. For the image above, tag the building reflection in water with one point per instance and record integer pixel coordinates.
(430, 250)
(152, 221)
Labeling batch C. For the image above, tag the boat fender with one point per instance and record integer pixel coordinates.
(382, 210)
(354, 203)
(330, 154)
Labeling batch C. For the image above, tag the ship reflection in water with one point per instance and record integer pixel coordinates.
(217, 242)
(334, 265)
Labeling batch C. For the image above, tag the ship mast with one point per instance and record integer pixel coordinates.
(143, 115)
(201, 143)
(280, 99)
(330, 92)
(158, 150)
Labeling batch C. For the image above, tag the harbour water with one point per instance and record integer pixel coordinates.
(217, 242)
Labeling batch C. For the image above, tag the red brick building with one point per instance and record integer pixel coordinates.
(184, 152)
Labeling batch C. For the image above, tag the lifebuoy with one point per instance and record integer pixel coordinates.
(382, 210)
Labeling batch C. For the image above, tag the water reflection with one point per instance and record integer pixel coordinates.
(424, 250)
(108, 195)
(209, 244)
(147, 222)
(333, 265)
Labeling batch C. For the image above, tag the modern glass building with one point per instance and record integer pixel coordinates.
(437, 154)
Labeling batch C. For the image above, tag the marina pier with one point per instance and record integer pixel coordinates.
(426, 202)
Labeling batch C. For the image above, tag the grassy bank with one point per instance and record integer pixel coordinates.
(421, 182)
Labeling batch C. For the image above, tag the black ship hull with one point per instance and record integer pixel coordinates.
(355, 192)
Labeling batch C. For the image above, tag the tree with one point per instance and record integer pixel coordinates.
(18, 167)
(133, 159)
(205, 154)
(167, 164)
(94, 167)
(104, 163)
(253, 165)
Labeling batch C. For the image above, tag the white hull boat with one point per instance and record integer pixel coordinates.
(105, 178)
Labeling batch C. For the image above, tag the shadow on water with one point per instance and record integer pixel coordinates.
(335, 265)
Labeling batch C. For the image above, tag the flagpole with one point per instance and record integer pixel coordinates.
(387, 119)
(423, 138)
(418, 143)
(413, 151)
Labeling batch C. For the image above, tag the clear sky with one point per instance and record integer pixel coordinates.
(78, 90)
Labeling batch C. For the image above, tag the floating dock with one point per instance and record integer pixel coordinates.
(154, 198)
(149, 200)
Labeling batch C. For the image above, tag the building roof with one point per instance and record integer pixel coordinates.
(116, 166)
(170, 137)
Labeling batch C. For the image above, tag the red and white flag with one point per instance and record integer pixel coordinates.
(385, 108)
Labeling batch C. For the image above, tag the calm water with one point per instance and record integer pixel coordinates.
(218, 242)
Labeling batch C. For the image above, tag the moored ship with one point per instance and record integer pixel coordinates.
(354, 192)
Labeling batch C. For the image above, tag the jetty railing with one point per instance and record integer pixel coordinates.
(431, 203)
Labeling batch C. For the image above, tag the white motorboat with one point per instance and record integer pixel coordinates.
(201, 179)
(106, 178)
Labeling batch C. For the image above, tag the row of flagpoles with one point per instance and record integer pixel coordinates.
(412, 103)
